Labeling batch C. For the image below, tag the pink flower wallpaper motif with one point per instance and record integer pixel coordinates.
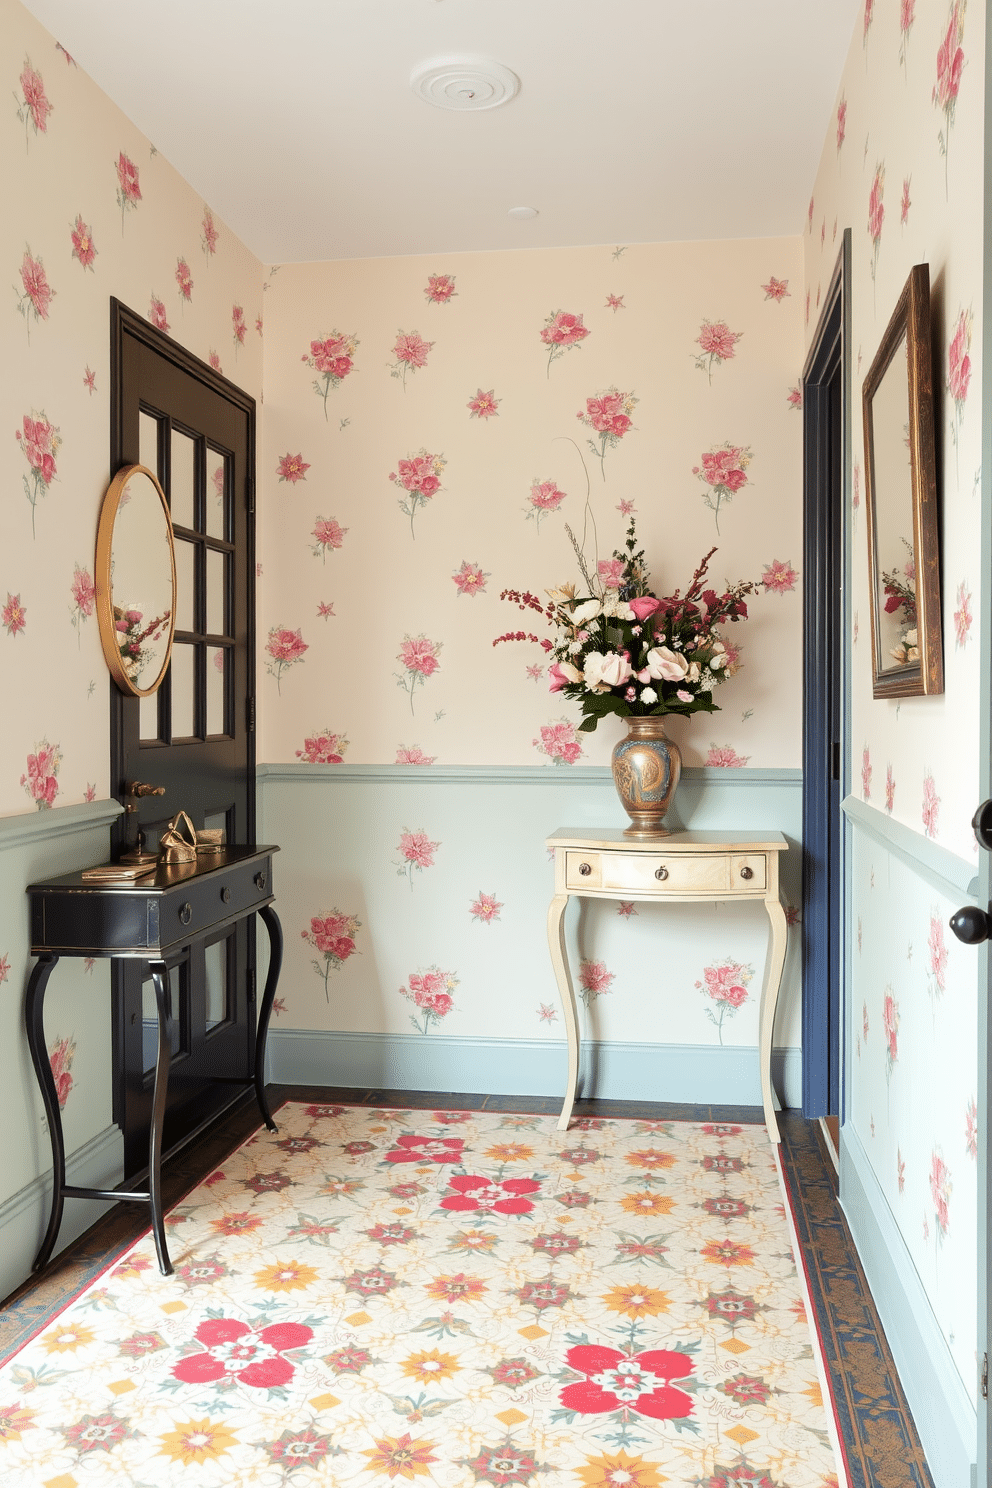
(157, 315)
(940, 1192)
(950, 66)
(36, 294)
(890, 1023)
(332, 357)
(726, 984)
(325, 611)
(430, 992)
(128, 186)
(867, 20)
(841, 123)
(470, 579)
(794, 398)
(561, 332)
(905, 201)
(419, 658)
(328, 534)
(626, 909)
(962, 616)
(615, 303)
(4, 969)
(937, 954)
(717, 341)
(959, 369)
(184, 280)
(83, 593)
(208, 234)
(89, 380)
(323, 747)
(411, 352)
(559, 741)
(779, 577)
(33, 107)
(776, 289)
(594, 980)
(866, 773)
(931, 805)
(40, 442)
(413, 756)
(213, 359)
(547, 1012)
(544, 497)
(13, 616)
(292, 468)
(485, 909)
(876, 214)
(907, 15)
(483, 405)
(440, 289)
(723, 757)
(419, 475)
(971, 1128)
(60, 1056)
(890, 789)
(724, 470)
(284, 648)
(416, 851)
(83, 247)
(608, 415)
(41, 779)
(239, 327)
(332, 935)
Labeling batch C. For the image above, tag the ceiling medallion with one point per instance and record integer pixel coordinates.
(464, 83)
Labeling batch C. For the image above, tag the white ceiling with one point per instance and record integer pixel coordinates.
(636, 121)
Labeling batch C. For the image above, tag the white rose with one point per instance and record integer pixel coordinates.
(661, 662)
(600, 672)
(587, 611)
(718, 659)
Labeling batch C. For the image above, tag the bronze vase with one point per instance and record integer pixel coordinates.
(646, 770)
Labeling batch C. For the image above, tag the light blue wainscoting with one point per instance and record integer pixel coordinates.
(33, 847)
(650, 1037)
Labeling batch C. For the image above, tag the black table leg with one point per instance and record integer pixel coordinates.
(163, 1000)
(271, 921)
(34, 1019)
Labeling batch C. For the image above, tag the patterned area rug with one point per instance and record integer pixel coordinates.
(377, 1296)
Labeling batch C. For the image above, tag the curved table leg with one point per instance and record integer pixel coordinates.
(271, 922)
(559, 960)
(774, 966)
(163, 1002)
(34, 1020)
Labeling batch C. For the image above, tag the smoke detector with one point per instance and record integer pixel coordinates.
(464, 83)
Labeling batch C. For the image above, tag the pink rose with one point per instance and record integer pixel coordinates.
(644, 606)
(562, 674)
(665, 664)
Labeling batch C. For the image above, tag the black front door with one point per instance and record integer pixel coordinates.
(194, 739)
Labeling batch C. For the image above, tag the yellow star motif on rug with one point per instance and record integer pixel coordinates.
(619, 1471)
(197, 1441)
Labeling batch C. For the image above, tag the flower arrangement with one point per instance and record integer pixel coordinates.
(134, 638)
(899, 586)
(620, 649)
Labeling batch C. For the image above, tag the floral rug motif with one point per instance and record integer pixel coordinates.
(375, 1296)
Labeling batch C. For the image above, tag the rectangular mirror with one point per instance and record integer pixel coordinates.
(901, 497)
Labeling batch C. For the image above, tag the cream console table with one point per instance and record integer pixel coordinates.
(683, 868)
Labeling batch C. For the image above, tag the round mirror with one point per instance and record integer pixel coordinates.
(136, 580)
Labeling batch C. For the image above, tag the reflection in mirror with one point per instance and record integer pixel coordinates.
(135, 580)
(901, 498)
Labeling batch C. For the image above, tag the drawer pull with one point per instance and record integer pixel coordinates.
(747, 872)
(661, 872)
(260, 882)
(185, 913)
(225, 895)
(585, 869)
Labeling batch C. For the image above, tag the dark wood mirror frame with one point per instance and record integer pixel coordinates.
(916, 590)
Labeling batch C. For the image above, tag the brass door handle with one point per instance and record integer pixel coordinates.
(139, 788)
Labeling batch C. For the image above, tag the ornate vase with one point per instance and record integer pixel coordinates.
(646, 770)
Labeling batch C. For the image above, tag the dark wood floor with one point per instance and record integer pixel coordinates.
(880, 1441)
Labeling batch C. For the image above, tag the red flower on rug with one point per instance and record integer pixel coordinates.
(473, 1192)
(504, 1464)
(719, 1162)
(452, 1118)
(267, 1182)
(725, 1207)
(233, 1348)
(374, 1282)
(721, 1130)
(348, 1360)
(323, 1111)
(637, 1382)
(426, 1149)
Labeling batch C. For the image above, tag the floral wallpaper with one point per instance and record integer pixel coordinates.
(902, 165)
(433, 427)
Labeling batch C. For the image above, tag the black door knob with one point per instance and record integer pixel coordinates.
(971, 925)
(982, 824)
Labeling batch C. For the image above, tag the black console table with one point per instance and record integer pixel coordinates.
(175, 907)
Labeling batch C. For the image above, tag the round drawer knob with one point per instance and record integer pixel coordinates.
(185, 913)
(747, 872)
(225, 895)
(260, 882)
(585, 869)
(661, 872)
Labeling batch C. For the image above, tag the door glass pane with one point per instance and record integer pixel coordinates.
(216, 592)
(149, 1019)
(148, 443)
(148, 717)
(185, 556)
(215, 957)
(183, 672)
(183, 476)
(216, 690)
(216, 495)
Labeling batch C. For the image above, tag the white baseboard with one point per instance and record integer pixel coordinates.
(697, 1074)
(944, 1415)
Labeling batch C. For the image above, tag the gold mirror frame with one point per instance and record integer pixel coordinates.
(104, 566)
(906, 674)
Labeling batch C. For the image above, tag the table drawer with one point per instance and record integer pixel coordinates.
(748, 872)
(648, 873)
(222, 896)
